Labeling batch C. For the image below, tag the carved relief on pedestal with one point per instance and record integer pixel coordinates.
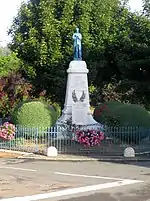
(76, 97)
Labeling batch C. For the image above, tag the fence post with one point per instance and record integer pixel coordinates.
(36, 140)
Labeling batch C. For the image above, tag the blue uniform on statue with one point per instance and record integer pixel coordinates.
(77, 37)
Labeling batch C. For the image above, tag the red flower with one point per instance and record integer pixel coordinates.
(89, 138)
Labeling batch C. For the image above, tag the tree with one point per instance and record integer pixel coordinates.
(127, 61)
(115, 46)
(42, 37)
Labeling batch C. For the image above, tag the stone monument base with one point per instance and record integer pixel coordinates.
(77, 107)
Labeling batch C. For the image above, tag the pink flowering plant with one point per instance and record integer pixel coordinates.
(89, 138)
(7, 131)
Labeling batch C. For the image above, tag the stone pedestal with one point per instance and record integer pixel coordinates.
(77, 105)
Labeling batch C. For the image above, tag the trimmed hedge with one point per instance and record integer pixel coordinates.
(34, 114)
(107, 116)
(125, 116)
(133, 115)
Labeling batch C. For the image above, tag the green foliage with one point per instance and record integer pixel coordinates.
(8, 63)
(133, 115)
(129, 61)
(125, 114)
(34, 114)
(42, 37)
(105, 113)
(112, 105)
(116, 47)
(131, 121)
(53, 105)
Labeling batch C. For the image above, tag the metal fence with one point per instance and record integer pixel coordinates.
(37, 140)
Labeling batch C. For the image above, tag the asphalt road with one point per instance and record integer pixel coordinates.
(85, 181)
(114, 197)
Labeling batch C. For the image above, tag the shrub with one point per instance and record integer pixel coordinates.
(132, 121)
(125, 114)
(105, 113)
(53, 106)
(34, 114)
(136, 119)
(133, 115)
(13, 89)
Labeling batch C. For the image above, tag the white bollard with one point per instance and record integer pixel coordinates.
(129, 152)
(52, 151)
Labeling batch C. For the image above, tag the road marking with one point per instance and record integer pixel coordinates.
(72, 191)
(15, 168)
(89, 176)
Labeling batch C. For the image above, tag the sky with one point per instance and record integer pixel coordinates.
(8, 10)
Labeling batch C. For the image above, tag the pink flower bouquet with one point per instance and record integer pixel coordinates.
(7, 131)
(89, 138)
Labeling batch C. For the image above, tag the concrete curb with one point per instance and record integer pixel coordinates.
(31, 156)
(125, 160)
(59, 159)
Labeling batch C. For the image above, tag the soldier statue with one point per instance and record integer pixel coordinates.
(77, 37)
